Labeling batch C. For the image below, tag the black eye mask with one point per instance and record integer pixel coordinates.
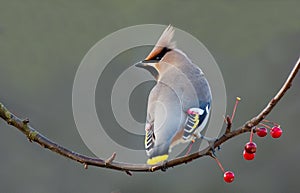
(158, 57)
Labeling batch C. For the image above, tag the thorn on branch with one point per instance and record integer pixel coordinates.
(25, 121)
(164, 167)
(110, 159)
(85, 165)
(128, 173)
(152, 169)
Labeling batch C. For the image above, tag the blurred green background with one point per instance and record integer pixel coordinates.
(42, 43)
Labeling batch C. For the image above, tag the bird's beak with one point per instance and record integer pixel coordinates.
(140, 64)
(145, 63)
(148, 65)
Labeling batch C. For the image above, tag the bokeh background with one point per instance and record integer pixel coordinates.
(42, 43)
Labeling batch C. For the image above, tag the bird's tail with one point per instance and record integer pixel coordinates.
(157, 159)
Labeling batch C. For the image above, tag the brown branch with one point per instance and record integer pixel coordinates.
(35, 136)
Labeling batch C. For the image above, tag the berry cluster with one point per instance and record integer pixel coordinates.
(250, 147)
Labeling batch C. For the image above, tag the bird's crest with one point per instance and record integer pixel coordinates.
(164, 42)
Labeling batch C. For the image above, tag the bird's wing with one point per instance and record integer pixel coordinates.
(149, 137)
(196, 120)
(165, 112)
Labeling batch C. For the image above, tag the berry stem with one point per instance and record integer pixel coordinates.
(219, 163)
(267, 126)
(271, 122)
(251, 135)
(235, 106)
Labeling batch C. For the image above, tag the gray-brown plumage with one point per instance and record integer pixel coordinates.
(179, 104)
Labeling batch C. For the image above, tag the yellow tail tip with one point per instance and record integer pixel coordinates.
(238, 98)
(157, 159)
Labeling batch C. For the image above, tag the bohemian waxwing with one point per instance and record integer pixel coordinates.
(179, 104)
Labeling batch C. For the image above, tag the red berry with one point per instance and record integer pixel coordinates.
(262, 132)
(276, 132)
(250, 147)
(228, 176)
(248, 156)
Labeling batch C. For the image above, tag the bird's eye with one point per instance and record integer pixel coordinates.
(160, 55)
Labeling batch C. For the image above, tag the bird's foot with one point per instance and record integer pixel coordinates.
(210, 141)
(164, 166)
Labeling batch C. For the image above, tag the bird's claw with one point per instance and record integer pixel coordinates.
(210, 141)
(164, 166)
(213, 149)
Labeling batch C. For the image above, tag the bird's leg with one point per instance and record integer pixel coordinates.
(164, 166)
(210, 141)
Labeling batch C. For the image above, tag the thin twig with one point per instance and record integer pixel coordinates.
(229, 124)
(111, 158)
(35, 136)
